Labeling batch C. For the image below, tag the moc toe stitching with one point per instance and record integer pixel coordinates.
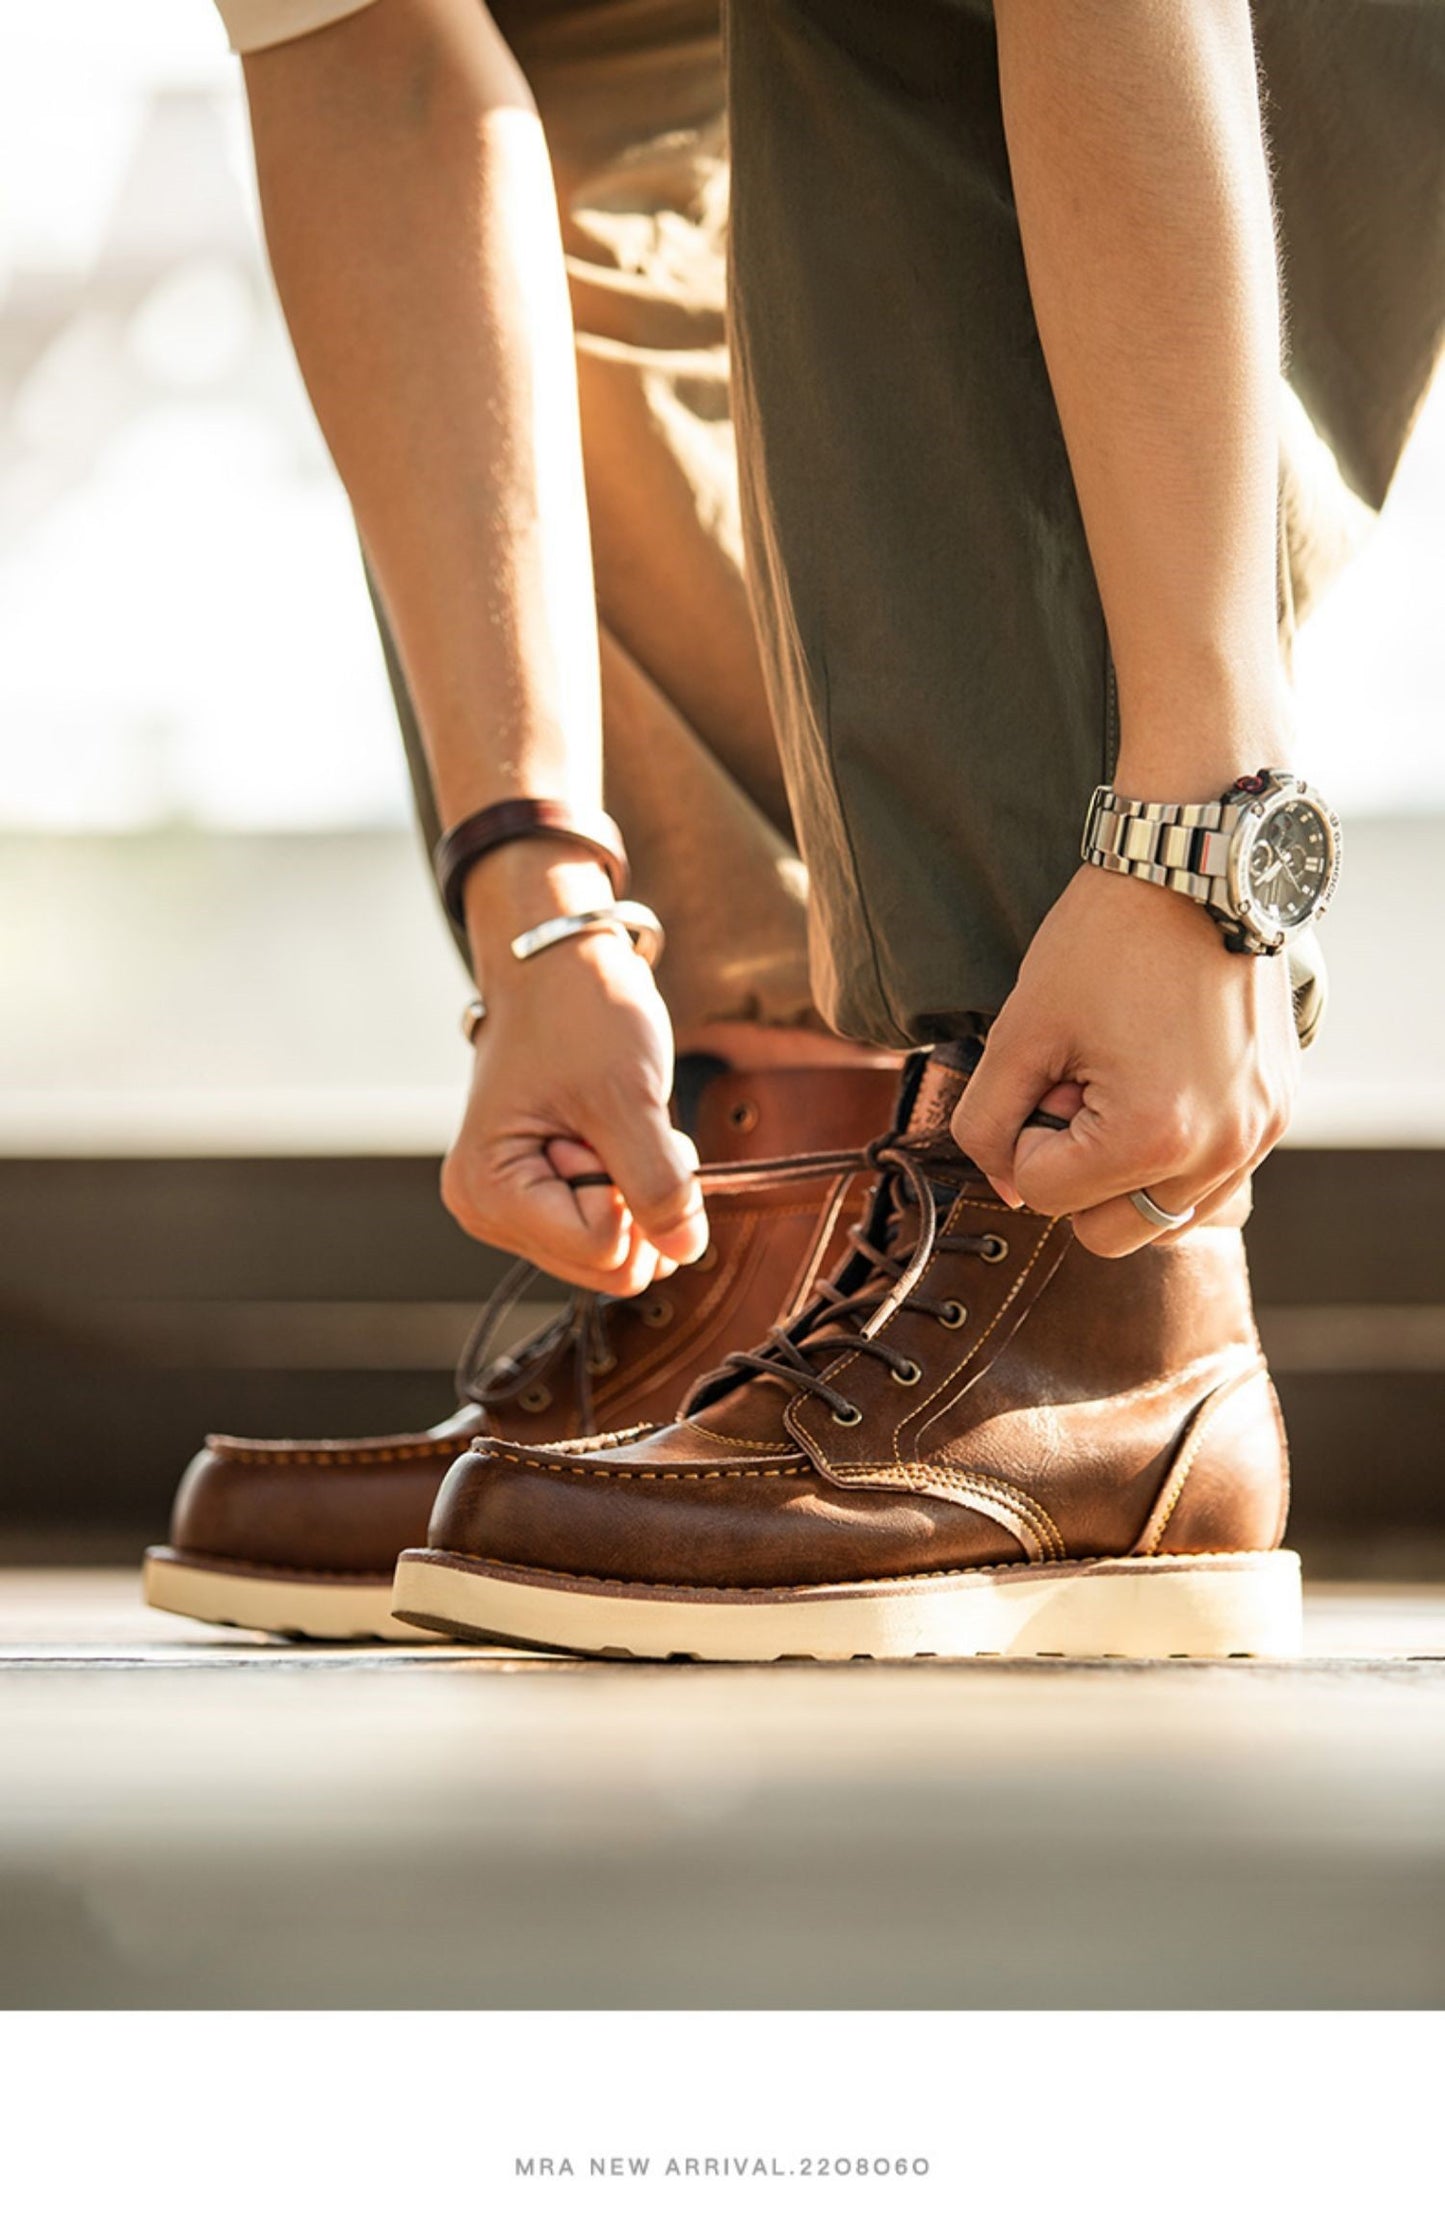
(289, 1569)
(701, 1472)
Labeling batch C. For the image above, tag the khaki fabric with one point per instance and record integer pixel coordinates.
(630, 93)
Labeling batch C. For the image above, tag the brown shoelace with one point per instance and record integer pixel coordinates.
(835, 1321)
(583, 1325)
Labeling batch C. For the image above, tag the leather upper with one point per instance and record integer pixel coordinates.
(347, 1507)
(1033, 1403)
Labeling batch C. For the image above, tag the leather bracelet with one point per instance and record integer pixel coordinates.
(460, 849)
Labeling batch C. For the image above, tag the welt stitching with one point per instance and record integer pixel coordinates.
(972, 1569)
(245, 1458)
(225, 1565)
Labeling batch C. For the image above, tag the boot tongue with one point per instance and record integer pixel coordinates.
(739, 1115)
(923, 1132)
(753, 1409)
(933, 1085)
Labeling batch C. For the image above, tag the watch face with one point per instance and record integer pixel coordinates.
(1290, 864)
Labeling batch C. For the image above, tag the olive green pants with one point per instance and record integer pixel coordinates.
(930, 633)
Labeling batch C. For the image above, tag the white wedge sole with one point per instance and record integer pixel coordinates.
(1197, 1605)
(296, 1607)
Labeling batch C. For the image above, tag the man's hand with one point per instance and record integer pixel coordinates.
(572, 1072)
(1183, 1058)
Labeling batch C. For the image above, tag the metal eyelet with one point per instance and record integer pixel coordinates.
(743, 1116)
(907, 1371)
(536, 1400)
(847, 1417)
(951, 1314)
(657, 1312)
(605, 1364)
(995, 1248)
(706, 1263)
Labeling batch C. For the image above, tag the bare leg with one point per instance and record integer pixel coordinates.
(412, 221)
(412, 225)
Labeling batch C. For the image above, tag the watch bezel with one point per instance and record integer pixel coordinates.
(1255, 812)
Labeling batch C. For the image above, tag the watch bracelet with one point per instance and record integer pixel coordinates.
(1184, 845)
(1181, 845)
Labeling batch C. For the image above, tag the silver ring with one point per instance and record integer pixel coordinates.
(1156, 1215)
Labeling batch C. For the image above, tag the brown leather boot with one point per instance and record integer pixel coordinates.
(302, 1538)
(978, 1439)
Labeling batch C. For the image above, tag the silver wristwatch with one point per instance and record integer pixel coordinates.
(1263, 859)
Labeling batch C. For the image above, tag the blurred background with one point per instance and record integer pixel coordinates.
(229, 1054)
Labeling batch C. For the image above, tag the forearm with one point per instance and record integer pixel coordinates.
(412, 226)
(1143, 199)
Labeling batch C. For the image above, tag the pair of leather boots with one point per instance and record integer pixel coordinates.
(927, 1424)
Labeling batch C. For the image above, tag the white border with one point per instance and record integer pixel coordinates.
(1047, 2122)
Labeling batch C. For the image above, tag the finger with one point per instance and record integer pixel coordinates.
(1229, 1205)
(518, 1201)
(1236, 1197)
(655, 1168)
(1007, 1084)
(600, 1207)
(525, 1242)
(1106, 1151)
(639, 1270)
(589, 1242)
(1118, 1228)
(605, 1214)
(1061, 1105)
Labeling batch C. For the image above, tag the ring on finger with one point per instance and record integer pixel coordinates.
(1156, 1215)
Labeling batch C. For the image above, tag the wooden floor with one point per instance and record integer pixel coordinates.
(198, 1818)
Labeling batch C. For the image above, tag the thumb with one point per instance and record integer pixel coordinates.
(1006, 1085)
(655, 1168)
